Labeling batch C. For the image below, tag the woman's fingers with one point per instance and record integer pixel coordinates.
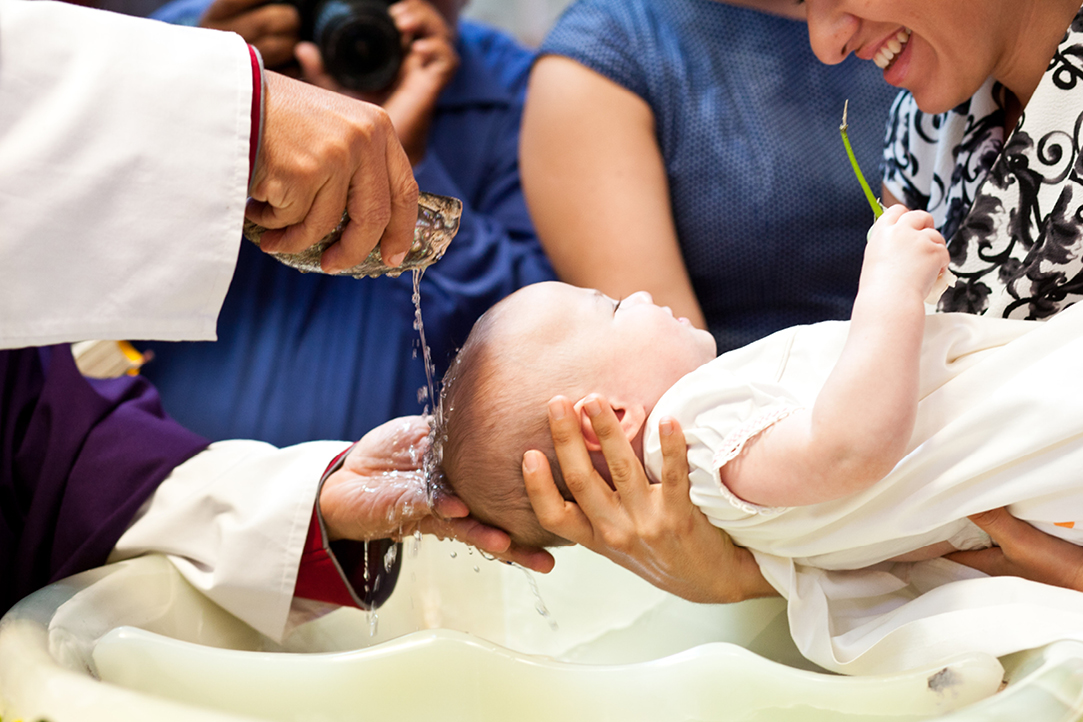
(675, 483)
(561, 517)
(1023, 545)
(1024, 551)
(656, 533)
(584, 483)
(988, 561)
(625, 467)
(1006, 530)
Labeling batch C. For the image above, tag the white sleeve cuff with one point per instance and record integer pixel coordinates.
(234, 519)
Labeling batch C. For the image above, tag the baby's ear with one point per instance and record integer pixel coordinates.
(631, 417)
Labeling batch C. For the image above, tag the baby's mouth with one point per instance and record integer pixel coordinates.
(887, 54)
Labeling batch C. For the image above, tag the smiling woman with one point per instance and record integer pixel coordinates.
(951, 48)
(982, 136)
(661, 146)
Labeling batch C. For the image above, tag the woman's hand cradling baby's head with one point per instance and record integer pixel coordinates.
(653, 530)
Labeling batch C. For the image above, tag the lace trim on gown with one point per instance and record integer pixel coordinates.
(734, 444)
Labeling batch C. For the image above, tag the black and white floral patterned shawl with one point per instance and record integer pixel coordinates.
(1013, 212)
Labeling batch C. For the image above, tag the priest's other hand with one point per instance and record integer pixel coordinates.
(380, 493)
(322, 152)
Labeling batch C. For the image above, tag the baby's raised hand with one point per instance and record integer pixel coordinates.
(905, 253)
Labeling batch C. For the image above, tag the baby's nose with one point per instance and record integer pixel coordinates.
(640, 297)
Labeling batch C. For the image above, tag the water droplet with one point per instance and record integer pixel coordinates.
(476, 568)
(454, 555)
(539, 605)
(365, 563)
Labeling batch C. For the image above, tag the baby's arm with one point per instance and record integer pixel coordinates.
(863, 418)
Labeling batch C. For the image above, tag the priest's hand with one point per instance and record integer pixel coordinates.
(322, 152)
(380, 493)
(1023, 551)
(653, 530)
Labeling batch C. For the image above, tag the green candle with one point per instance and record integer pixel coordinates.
(877, 208)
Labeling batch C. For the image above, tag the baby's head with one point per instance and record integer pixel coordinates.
(544, 340)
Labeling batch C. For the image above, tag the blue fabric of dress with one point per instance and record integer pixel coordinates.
(303, 357)
(770, 217)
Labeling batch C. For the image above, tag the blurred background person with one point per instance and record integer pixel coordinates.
(310, 357)
(664, 145)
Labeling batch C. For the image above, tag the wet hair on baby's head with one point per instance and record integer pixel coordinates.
(492, 410)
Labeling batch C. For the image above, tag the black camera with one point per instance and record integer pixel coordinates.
(360, 45)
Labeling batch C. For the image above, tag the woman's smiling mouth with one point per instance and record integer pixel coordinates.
(887, 54)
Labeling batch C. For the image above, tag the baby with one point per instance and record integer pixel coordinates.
(838, 445)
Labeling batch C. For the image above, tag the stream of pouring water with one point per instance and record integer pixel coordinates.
(426, 395)
(431, 461)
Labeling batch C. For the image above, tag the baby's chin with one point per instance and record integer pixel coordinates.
(707, 352)
(706, 343)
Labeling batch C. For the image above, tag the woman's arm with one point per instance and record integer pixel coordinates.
(864, 415)
(653, 530)
(887, 198)
(596, 186)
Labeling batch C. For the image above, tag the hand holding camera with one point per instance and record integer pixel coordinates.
(272, 28)
(425, 67)
(358, 41)
(399, 55)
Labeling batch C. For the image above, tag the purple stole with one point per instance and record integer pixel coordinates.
(78, 457)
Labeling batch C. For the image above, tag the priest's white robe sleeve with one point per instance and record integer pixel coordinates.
(124, 147)
(233, 520)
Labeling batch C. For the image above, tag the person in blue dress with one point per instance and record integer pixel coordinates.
(691, 149)
(303, 357)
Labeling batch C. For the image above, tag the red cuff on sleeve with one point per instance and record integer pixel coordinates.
(257, 104)
(348, 573)
(317, 577)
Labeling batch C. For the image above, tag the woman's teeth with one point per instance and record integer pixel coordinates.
(892, 48)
